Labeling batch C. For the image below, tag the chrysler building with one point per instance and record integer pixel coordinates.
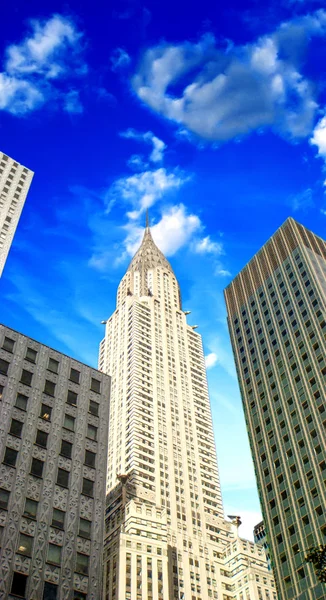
(166, 536)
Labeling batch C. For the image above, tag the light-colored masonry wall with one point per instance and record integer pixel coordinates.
(15, 181)
(80, 420)
(166, 536)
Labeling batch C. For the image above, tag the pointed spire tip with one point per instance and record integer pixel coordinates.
(147, 219)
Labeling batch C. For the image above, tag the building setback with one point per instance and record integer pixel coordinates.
(15, 181)
(53, 450)
(166, 535)
(276, 315)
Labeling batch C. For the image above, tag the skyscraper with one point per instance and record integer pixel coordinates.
(166, 536)
(276, 315)
(53, 450)
(15, 181)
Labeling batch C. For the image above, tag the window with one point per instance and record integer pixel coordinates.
(53, 365)
(69, 422)
(4, 498)
(16, 428)
(8, 344)
(90, 458)
(88, 486)
(1, 391)
(30, 509)
(91, 432)
(58, 518)
(54, 554)
(72, 398)
(31, 355)
(18, 584)
(21, 401)
(26, 377)
(66, 449)
(25, 544)
(74, 375)
(63, 477)
(41, 438)
(4, 364)
(49, 387)
(93, 408)
(10, 457)
(95, 385)
(50, 591)
(46, 412)
(79, 596)
(84, 528)
(37, 467)
(82, 563)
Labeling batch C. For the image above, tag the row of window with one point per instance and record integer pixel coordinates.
(50, 590)
(37, 466)
(53, 365)
(16, 428)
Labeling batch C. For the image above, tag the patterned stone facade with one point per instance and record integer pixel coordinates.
(15, 181)
(54, 415)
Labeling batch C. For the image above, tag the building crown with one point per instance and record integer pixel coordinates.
(148, 255)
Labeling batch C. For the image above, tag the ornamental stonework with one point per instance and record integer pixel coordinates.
(29, 470)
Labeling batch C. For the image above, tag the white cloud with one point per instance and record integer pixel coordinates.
(231, 92)
(136, 163)
(142, 190)
(211, 360)
(158, 149)
(149, 138)
(173, 231)
(303, 200)
(44, 52)
(72, 103)
(220, 272)
(319, 137)
(119, 59)
(49, 53)
(18, 96)
(207, 246)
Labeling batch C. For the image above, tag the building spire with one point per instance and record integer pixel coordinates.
(147, 219)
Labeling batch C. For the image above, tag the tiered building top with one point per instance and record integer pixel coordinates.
(148, 256)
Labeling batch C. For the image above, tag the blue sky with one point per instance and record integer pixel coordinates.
(210, 116)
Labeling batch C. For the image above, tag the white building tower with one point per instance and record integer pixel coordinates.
(166, 536)
(15, 181)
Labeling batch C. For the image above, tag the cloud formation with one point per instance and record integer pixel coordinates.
(170, 233)
(229, 92)
(211, 360)
(158, 146)
(144, 189)
(140, 191)
(34, 68)
(319, 137)
(207, 246)
(72, 103)
(120, 59)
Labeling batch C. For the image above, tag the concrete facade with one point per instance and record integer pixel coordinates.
(166, 535)
(54, 415)
(276, 315)
(15, 181)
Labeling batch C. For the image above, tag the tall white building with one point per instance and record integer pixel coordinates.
(166, 536)
(15, 181)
